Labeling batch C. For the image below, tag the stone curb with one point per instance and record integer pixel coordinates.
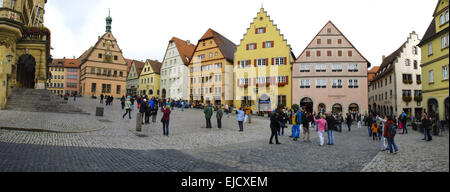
(50, 131)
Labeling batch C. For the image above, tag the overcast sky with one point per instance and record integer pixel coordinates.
(144, 27)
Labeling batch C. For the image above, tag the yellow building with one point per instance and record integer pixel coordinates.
(57, 78)
(149, 80)
(211, 70)
(24, 46)
(435, 63)
(263, 64)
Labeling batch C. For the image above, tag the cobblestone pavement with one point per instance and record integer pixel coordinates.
(188, 148)
(414, 155)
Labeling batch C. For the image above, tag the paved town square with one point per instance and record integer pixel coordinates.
(111, 144)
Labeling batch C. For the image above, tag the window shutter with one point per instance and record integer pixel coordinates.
(247, 46)
(287, 79)
(255, 62)
(267, 61)
(273, 61)
(239, 63)
(264, 30)
(273, 44)
(256, 31)
(249, 62)
(256, 45)
(264, 44)
(285, 60)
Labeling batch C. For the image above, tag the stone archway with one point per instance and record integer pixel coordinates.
(337, 108)
(322, 108)
(307, 104)
(353, 108)
(26, 72)
(433, 108)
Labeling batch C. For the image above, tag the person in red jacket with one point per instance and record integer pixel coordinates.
(387, 134)
(165, 119)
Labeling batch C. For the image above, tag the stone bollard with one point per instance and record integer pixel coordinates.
(139, 122)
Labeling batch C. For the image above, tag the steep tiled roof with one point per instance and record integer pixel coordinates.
(139, 66)
(429, 33)
(374, 69)
(186, 50)
(69, 63)
(156, 66)
(372, 72)
(227, 47)
(129, 63)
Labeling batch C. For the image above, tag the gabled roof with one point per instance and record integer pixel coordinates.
(227, 47)
(185, 49)
(437, 6)
(156, 66)
(129, 63)
(374, 69)
(139, 66)
(431, 31)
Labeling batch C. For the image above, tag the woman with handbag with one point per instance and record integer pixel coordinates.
(165, 119)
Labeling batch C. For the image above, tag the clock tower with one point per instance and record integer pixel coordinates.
(108, 21)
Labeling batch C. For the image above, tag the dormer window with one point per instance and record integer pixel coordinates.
(260, 30)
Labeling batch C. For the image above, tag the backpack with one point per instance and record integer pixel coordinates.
(393, 129)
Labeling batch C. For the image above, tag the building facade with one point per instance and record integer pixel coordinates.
(211, 71)
(435, 63)
(149, 80)
(397, 85)
(174, 70)
(330, 75)
(262, 65)
(103, 69)
(133, 77)
(57, 76)
(24, 46)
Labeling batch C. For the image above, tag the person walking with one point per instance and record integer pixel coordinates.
(219, 115)
(296, 125)
(132, 102)
(381, 123)
(248, 112)
(283, 122)
(166, 119)
(390, 135)
(374, 128)
(122, 102)
(426, 124)
(403, 120)
(142, 109)
(182, 106)
(101, 98)
(155, 111)
(148, 112)
(306, 121)
(359, 118)
(349, 122)
(127, 108)
(208, 113)
(240, 119)
(331, 122)
(339, 120)
(275, 123)
(322, 123)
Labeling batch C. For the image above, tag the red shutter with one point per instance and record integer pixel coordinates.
(239, 64)
(264, 45)
(256, 31)
(255, 62)
(285, 60)
(247, 46)
(264, 30)
(273, 61)
(256, 44)
(249, 62)
(273, 44)
(267, 61)
(287, 80)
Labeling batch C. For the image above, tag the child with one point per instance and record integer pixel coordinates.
(374, 131)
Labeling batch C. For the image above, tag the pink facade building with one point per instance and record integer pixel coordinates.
(72, 84)
(330, 75)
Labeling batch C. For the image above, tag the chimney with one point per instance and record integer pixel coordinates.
(384, 57)
(74, 57)
(64, 58)
(188, 42)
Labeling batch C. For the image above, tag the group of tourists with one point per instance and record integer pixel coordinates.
(109, 99)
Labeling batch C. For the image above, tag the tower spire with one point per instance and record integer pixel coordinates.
(108, 21)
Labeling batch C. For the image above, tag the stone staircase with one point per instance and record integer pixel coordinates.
(38, 100)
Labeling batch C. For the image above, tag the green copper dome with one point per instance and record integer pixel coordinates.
(108, 22)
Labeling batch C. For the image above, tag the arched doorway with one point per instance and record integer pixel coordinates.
(26, 71)
(353, 108)
(307, 104)
(433, 108)
(446, 109)
(322, 108)
(337, 108)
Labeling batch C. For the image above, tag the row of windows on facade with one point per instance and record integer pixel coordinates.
(443, 18)
(206, 67)
(208, 79)
(382, 97)
(217, 90)
(174, 91)
(61, 85)
(262, 62)
(170, 81)
(406, 77)
(265, 44)
(263, 80)
(281, 99)
(62, 77)
(150, 92)
(329, 53)
(106, 88)
(106, 72)
(335, 83)
(335, 67)
(147, 80)
(169, 71)
(444, 74)
(115, 57)
(444, 44)
(203, 56)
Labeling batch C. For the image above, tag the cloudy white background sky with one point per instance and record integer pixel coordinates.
(144, 27)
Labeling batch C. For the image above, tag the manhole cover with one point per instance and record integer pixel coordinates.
(105, 120)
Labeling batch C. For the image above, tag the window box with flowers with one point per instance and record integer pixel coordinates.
(408, 81)
(267, 84)
(257, 85)
(245, 86)
(419, 82)
(418, 98)
(407, 99)
(281, 84)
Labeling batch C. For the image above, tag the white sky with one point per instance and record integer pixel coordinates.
(144, 27)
